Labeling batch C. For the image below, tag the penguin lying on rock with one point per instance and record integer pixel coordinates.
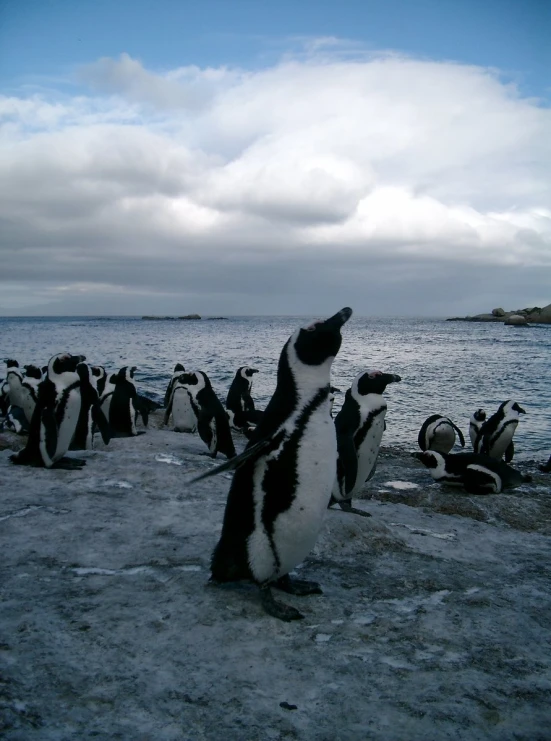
(476, 473)
(359, 425)
(283, 480)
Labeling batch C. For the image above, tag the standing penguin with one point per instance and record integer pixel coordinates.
(359, 425)
(90, 411)
(495, 437)
(475, 423)
(55, 416)
(100, 378)
(239, 402)
(438, 433)
(180, 405)
(283, 480)
(212, 422)
(106, 397)
(178, 370)
(476, 473)
(122, 412)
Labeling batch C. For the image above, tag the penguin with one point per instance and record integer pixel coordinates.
(283, 480)
(495, 437)
(15, 420)
(180, 405)
(100, 378)
(122, 412)
(29, 389)
(475, 423)
(438, 433)
(359, 426)
(144, 406)
(178, 370)
(90, 411)
(212, 422)
(239, 402)
(475, 472)
(107, 396)
(55, 416)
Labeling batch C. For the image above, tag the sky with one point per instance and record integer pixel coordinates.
(259, 157)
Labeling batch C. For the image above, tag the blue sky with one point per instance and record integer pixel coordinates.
(50, 37)
(250, 156)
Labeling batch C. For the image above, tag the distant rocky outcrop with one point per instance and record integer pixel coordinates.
(171, 318)
(518, 317)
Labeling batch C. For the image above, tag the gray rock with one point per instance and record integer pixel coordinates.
(516, 320)
(498, 312)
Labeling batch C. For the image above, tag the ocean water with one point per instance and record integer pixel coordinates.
(449, 368)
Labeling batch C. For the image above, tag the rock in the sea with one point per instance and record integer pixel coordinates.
(516, 320)
(498, 312)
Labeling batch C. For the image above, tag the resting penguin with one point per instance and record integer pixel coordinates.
(15, 420)
(180, 405)
(282, 483)
(178, 370)
(475, 472)
(495, 437)
(438, 433)
(212, 422)
(475, 423)
(55, 416)
(239, 402)
(359, 425)
(122, 412)
(90, 412)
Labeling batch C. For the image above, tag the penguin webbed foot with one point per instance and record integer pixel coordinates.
(278, 609)
(69, 464)
(300, 587)
(346, 506)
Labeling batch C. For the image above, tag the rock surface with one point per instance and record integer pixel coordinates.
(516, 320)
(534, 315)
(434, 622)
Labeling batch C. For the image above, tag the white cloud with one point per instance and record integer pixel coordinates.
(385, 163)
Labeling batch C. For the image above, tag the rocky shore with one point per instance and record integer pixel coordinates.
(434, 623)
(534, 315)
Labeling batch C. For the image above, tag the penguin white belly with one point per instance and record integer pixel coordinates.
(106, 404)
(183, 415)
(132, 413)
(473, 433)
(368, 451)
(501, 440)
(27, 403)
(16, 390)
(296, 529)
(442, 438)
(68, 424)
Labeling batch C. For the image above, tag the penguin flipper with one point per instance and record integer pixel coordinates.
(48, 436)
(460, 435)
(233, 463)
(509, 453)
(348, 461)
(100, 420)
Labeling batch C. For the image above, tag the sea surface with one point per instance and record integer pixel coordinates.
(449, 368)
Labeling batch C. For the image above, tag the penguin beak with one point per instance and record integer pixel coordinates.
(392, 378)
(337, 320)
(521, 410)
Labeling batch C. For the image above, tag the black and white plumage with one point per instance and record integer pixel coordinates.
(475, 423)
(360, 425)
(180, 406)
(178, 370)
(495, 437)
(15, 420)
(438, 433)
(239, 402)
(55, 416)
(100, 378)
(106, 397)
(475, 472)
(212, 422)
(283, 480)
(333, 391)
(122, 411)
(90, 411)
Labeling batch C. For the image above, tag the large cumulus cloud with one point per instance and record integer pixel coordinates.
(377, 180)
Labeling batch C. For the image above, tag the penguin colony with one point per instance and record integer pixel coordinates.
(298, 460)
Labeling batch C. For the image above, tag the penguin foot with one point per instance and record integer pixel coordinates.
(347, 507)
(69, 464)
(300, 587)
(278, 609)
